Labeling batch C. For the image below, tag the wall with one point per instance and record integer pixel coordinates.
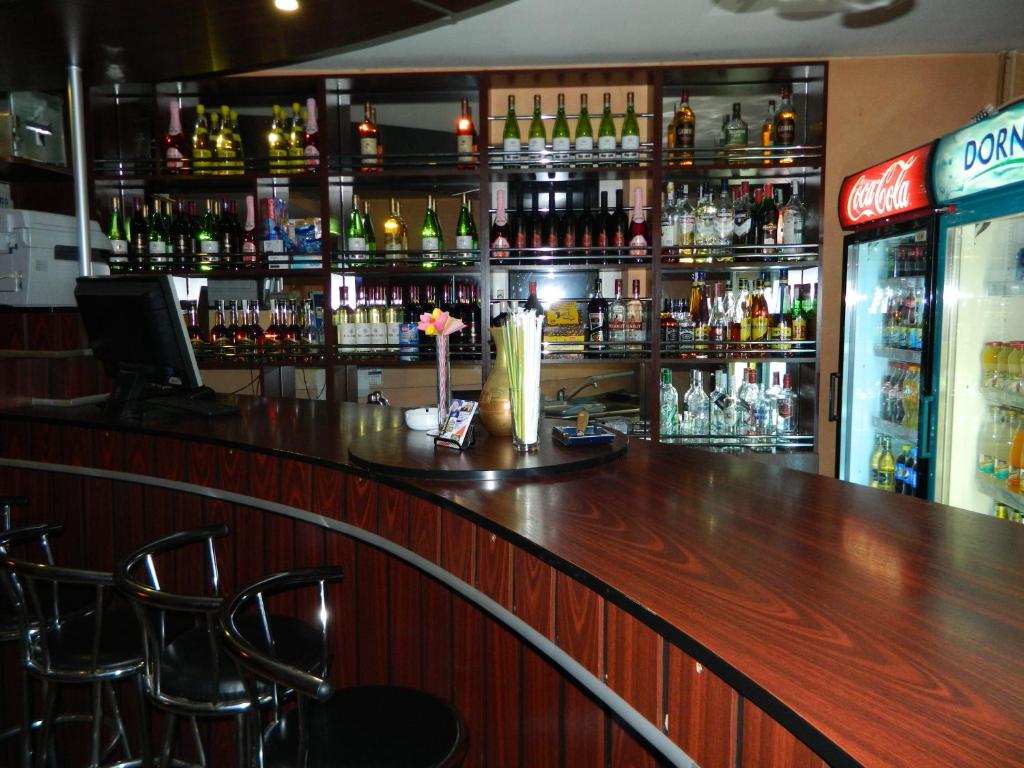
(878, 108)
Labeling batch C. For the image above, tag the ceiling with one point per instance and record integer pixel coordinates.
(552, 32)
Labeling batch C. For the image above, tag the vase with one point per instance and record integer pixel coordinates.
(495, 406)
(444, 379)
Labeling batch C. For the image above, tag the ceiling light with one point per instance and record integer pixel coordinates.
(286, 5)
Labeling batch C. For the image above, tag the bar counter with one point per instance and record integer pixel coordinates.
(759, 616)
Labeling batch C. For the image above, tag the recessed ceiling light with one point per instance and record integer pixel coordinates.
(286, 5)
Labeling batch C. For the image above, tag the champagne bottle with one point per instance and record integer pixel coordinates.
(630, 132)
(511, 141)
(606, 142)
(311, 141)
(173, 143)
(465, 134)
(537, 139)
(216, 166)
(432, 240)
(202, 148)
(117, 234)
(583, 143)
(355, 234)
(638, 235)
(501, 231)
(560, 140)
(226, 149)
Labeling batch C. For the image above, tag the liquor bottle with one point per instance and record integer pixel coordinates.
(602, 225)
(723, 407)
(706, 224)
(718, 322)
(781, 331)
(792, 215)
(501, 231)
(355, 235)
(156, 247)
(172, 145)
(785, 125)
(368, 136)
(769, 221)
(532, 302)
(219, 335)
(762, 415)
(560, 141)
(432, 238)
(687, 226)
(759, 317)
(742, 226)
(118, 237)
(216, 167)
(887, 466)
(277, 142)
(249, 235)
(681, 312)
(617, 322)
(408, 333)
(224, 148)
(768, 131)
(272, 335)
(465, 230)
(746, 399)
(311, 141)
(597, 321)
(239, 165)
(537, 138)
(785, 408)
(550, 222)
(725, 221)
(736, 136)
(368, 233)
(669, 221)
(638, 234)
(699, 313)
(195, 333)
(235, 329)
(465, 136)
(209, 246)
(668, 408)
(681, 133)
(606, 141)
(910, 474)
(636, 322)
(900, 474)
(697, 419)
(180, 235)
(567, 224)
(619, 225)
(297, 141)
(202, 147)
(630, 132)
(668, 327)
(583, 142)
(511, 139)
(586, 225)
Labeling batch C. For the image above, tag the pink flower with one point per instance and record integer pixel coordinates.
(438, 323)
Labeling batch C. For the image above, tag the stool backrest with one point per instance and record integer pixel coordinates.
(164, 614)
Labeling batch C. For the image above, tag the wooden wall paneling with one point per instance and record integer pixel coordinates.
(43, 331)
(409, 653)
(361, 502)
(66, 508)
(108, 449)
(170, 459)
(13, 330)
(344, 615)
(264, 477)
(98, 519)
(139, 457)
(128, 513)
(371, 577)
(470, 663)
(393, 515)
(494, 567)
(702, 712)
(76, 446)
(425, 529)
(534, 603)
(14, 439)
(296, 484)
(502, 696)
(45, 443)
(200, 461)
(579, 628)
(279, 555)
(190, 564)
(249, 546)
(232, 469)
(329, 493)
(436, 600)
(634, 654)
(766, 744)
(457, 544)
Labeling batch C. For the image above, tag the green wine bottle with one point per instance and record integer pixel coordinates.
(538, 138)
(157, 238)
(355, 233)
(606, 133)
(117, 234)
(431, 236)
(371, 238)
(630, 132)
(208, 244)
(465, 233)
(511, 141)
(583, 145)
(560, 137)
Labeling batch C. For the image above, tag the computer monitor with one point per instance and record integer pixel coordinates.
(136, 330)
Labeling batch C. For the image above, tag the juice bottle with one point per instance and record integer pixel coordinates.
(987, 440)
(876, 457)
(887, 467)
(1003, 366)
(1013, 482)
(989, 362)
(1008, 423)
(1013, 360)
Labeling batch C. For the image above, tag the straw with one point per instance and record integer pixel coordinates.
(523, 336)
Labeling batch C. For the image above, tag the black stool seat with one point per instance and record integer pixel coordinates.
(370, 727)
(188, 672)
(71, 646)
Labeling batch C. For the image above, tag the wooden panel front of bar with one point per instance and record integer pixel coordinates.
(659, 578)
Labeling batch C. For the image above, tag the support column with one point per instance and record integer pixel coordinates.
(76, 100)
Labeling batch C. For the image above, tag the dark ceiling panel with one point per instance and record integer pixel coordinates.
(133, 40)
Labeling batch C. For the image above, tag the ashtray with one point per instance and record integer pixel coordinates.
(421, 419)
(594, 434)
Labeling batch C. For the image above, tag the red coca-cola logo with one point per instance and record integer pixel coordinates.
(894, 187)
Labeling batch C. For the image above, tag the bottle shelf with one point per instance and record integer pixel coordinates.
(998, 491)
(739, 257)
(568, 257)
(253, 172)
(767, 161)
(407, 262)
(231, 356)
(391, 166)
(1006, 398)
(899, 355)
(742, 443)
(17, 169)
(527, 117)
(394, 354)
(737, 351)
(501, 161)
(309, 265)
(900, 432)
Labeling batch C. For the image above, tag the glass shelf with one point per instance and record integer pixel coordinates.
(742, 443)
(899, 355)
(997, 491)
(569, 257)
(391, 165)
(745, 161)
(735, 351)
(551, 161)
(407, 262)
(1005, 398)
(251, 172)
(310, 265)
(898, 431)
(739, 257)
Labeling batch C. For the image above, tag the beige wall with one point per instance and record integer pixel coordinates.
(878, 108)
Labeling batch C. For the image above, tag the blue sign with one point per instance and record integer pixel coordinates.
(980, 157)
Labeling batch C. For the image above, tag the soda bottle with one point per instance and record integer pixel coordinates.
(987, 440)
(910, 474)
(901, 470)
(876, 457)
(887, 467)
(1013, 482)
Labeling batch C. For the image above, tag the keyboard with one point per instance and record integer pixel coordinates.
(200, 406)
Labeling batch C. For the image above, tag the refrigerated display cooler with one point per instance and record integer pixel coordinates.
(882, 393)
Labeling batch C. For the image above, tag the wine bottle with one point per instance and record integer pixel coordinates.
(597, 321)
(583, 143)
(368, 136)
(630, 132)
(157, 245)
(226, 151)
(639, 237)
(617, 233)
(535, 233)
(249, 237)
(560, 140)
(277, 142)
(208, 244)
(239, 164)
(520, 227)
(226, 235)
(202, 148)
(368, 233)
(311, 141)
(537, 139)
(586, 226)
(606, 142)
(432, 240)
(297, 141)
(511, 141)
(355, 234)
(567, 224)
(118, 237)
(180, 234)
(465, 232)
(393, 230)
(532, 302)
(602, 225)
(173, 143)
(501, 234)
(550, 226)
(465, 135)
(215, 164)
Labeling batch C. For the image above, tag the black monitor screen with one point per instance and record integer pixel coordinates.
(136, 330)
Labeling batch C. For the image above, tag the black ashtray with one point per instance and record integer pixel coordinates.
(594, 434)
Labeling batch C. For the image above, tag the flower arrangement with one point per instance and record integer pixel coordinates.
(441, 325)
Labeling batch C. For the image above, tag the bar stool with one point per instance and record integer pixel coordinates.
(358, 727)
(186, 672)
(10, 631)
(72, 632)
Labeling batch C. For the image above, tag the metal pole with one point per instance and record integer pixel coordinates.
(76, 99)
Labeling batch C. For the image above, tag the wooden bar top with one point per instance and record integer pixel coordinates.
(881, 630)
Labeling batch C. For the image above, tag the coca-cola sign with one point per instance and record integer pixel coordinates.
(888, 189)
